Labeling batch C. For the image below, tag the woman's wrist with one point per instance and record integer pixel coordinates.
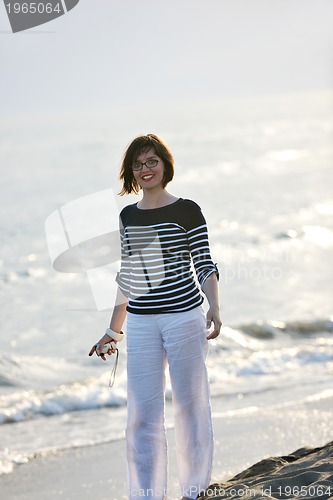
(118, 336)
(214, 307)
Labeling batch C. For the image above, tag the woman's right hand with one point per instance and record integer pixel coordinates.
(99, 346)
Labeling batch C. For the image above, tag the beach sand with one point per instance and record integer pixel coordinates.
(307, 473)
(242, 438)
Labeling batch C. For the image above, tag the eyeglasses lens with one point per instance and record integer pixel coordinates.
(149, 163)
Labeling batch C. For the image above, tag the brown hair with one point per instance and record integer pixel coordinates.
(142, 144)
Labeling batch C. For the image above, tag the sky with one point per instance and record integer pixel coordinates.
(172, 67)
(104, 55)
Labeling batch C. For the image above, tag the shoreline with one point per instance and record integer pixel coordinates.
(98, 472)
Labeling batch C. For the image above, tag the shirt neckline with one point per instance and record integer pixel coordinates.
(157, 208)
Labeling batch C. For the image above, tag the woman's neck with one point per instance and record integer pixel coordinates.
(156, 199)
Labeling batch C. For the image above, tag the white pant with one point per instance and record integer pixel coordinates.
(180, 340)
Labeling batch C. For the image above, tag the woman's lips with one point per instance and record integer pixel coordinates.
(147, 177)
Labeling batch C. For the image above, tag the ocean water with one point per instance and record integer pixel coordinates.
(261, 171)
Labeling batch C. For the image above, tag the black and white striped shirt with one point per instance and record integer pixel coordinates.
(159, 248)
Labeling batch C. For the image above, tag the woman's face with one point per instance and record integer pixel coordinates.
(149, 178)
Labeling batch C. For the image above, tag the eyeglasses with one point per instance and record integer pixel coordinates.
(151, 163)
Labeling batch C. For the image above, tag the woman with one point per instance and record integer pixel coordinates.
(160, 236)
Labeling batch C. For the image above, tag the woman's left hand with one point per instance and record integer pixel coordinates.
(213, 316)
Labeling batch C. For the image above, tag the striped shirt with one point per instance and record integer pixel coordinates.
(159, 249)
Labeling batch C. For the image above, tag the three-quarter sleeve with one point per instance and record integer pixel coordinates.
(123, 277)
(197, 235)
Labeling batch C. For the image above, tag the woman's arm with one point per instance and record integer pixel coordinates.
(121, 301)
(116, 323)
(210, 288)
(119, 312)
(206, 271)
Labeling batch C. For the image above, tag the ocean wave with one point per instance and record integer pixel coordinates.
(33, 371)
(262, 356)
(79, 396)
(262, 351)
(273, 329)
